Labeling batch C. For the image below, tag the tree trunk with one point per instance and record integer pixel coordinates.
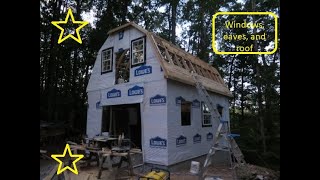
(169, 21)
(231, 71)
(75, 73)
(174, 6)
(124, 11)
(242, 96)
(51, 76)
(203, 36)
(234, 94)
(260, 107)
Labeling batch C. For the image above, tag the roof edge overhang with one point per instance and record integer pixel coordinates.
(210, 85)
(208, 88)
(129, 24)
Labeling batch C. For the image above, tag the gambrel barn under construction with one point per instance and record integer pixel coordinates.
(141, 85)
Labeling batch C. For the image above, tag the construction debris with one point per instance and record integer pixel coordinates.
(253, 172)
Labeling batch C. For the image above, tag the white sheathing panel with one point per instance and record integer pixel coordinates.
(153, 117)
(119, 94)
(103, 81)
(190, 149)
(97, 80)
(224, 102)
(151, 60)
(154, 124)
(161, 123)
(94, 115)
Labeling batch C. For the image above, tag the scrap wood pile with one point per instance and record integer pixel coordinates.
(253, 172)
(113, 157)
(52, 133)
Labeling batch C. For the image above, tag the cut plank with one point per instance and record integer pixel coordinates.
(52, 173)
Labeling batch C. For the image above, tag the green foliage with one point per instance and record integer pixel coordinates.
(254, 80)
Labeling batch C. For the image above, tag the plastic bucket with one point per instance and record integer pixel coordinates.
(195, 167)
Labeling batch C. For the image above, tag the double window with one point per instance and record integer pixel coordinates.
(138, 54)
(106, 60)
(138, 51)
(206, 115)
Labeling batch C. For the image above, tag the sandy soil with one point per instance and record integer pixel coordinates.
(91, 172)
(247, 171)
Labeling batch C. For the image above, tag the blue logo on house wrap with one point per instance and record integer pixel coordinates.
(158, 100)
(98, 105)
(179, 100)
(181, 140)
(135, 91)
(142, 70)
(114, 93)
(195, 103)
(209, 136)
(158, 142)
(197, 138)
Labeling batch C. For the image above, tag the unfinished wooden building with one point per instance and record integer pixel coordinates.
(141, 85)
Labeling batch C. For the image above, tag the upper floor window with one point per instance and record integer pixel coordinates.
(138, 51)
(106, 60)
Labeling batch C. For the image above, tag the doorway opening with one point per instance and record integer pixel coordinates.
(124, 118)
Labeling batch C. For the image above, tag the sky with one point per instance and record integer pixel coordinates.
(89, 16)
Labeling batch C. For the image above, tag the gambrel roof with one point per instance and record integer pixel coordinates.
(177, 64)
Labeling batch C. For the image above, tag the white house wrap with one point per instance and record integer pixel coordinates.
(171, 112)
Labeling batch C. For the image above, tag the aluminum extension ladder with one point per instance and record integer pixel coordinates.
(222, 132)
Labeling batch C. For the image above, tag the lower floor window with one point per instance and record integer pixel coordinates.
(206, 115)
(185, 113)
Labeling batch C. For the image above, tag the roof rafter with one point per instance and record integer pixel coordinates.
(177, 64)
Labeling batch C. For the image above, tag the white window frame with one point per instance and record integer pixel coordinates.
(104, 59)
(133, 51)
(203, 114)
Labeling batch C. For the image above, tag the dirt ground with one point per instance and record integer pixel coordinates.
(91, 172)
(213, 173)
(244, 172)
(253, 172)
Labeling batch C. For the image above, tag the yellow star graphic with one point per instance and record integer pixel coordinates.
(83, 23)
(74, 170)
